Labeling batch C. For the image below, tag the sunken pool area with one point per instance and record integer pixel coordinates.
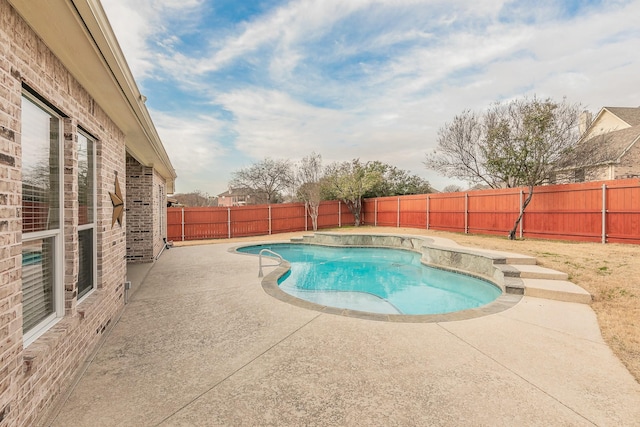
(389, 277)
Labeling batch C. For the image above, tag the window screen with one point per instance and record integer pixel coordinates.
(40, 213)
(37, 281)
(40, 169)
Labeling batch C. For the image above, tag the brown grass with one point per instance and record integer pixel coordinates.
(610, 273)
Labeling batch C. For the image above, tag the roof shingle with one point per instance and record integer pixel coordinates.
(631, 115)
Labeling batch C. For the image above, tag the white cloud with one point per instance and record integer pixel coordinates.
(138, 25)
(192, 145)
(372, 79)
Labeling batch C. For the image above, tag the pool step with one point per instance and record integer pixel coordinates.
(541, 282)
(527, 271)
(559, 290)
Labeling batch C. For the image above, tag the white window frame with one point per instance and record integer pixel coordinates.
(162, 203)
(58, 235)
(91, 225)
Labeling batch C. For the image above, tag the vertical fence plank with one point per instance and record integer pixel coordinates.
(375, 212)
(427, 212)
(466, 213)
(522, 218)
(182, 221)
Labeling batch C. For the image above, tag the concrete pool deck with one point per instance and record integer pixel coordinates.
(201, 344)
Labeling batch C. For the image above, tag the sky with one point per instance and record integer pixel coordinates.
(232, 82)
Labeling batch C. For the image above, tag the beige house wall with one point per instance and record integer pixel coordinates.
(605, 122)
(160, 212)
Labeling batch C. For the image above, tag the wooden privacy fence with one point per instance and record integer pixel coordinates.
(256, 220)
(605, 211)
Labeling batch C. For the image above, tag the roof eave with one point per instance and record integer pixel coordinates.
(79, 34)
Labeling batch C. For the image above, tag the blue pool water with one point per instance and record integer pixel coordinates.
(376, 280)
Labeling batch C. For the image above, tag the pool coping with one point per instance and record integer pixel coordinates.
(510, 296)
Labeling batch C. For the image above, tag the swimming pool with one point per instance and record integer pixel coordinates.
(375, 280)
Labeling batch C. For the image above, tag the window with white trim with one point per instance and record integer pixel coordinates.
(86, 214)
(42, 288)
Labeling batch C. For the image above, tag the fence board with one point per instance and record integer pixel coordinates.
(446, 212)
(286, 218)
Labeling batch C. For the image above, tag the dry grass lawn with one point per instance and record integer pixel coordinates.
(611, 273)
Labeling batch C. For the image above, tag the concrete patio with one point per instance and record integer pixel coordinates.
(201, 344)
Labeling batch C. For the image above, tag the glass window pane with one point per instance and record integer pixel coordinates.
(40, 169)
(85, 179)
(85, 273)
(37, 281)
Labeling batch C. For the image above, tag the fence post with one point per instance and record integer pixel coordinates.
(521, 226)
(398, 216)
(183, 224)
(306, 218)
(375, 212)
(339, 214)
(428, 200)
(229, 222)
(604, 213)
(466, 213)
(269, 220)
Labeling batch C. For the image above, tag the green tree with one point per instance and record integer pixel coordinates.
(518, 143)
(349, 182)
(395, 182)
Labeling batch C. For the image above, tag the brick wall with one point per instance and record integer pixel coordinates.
(32, 378)
(146, 206)
(139, 207)
(630, 163)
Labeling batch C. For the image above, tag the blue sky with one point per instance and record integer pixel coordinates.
(231, 82)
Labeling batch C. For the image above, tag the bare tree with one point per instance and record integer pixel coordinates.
(195, 198)
(268, 177)
(452, 188)
(459, 153)
(519, 143)
(309, 176)
(349, 182)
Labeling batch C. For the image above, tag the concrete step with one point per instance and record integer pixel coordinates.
(511, 258)
(560, 290)
(536, 272)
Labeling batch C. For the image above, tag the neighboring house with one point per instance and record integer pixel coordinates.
(240, 197)
(612, 142)
(84, 180)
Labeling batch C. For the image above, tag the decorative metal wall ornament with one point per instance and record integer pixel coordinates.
(118, 204)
